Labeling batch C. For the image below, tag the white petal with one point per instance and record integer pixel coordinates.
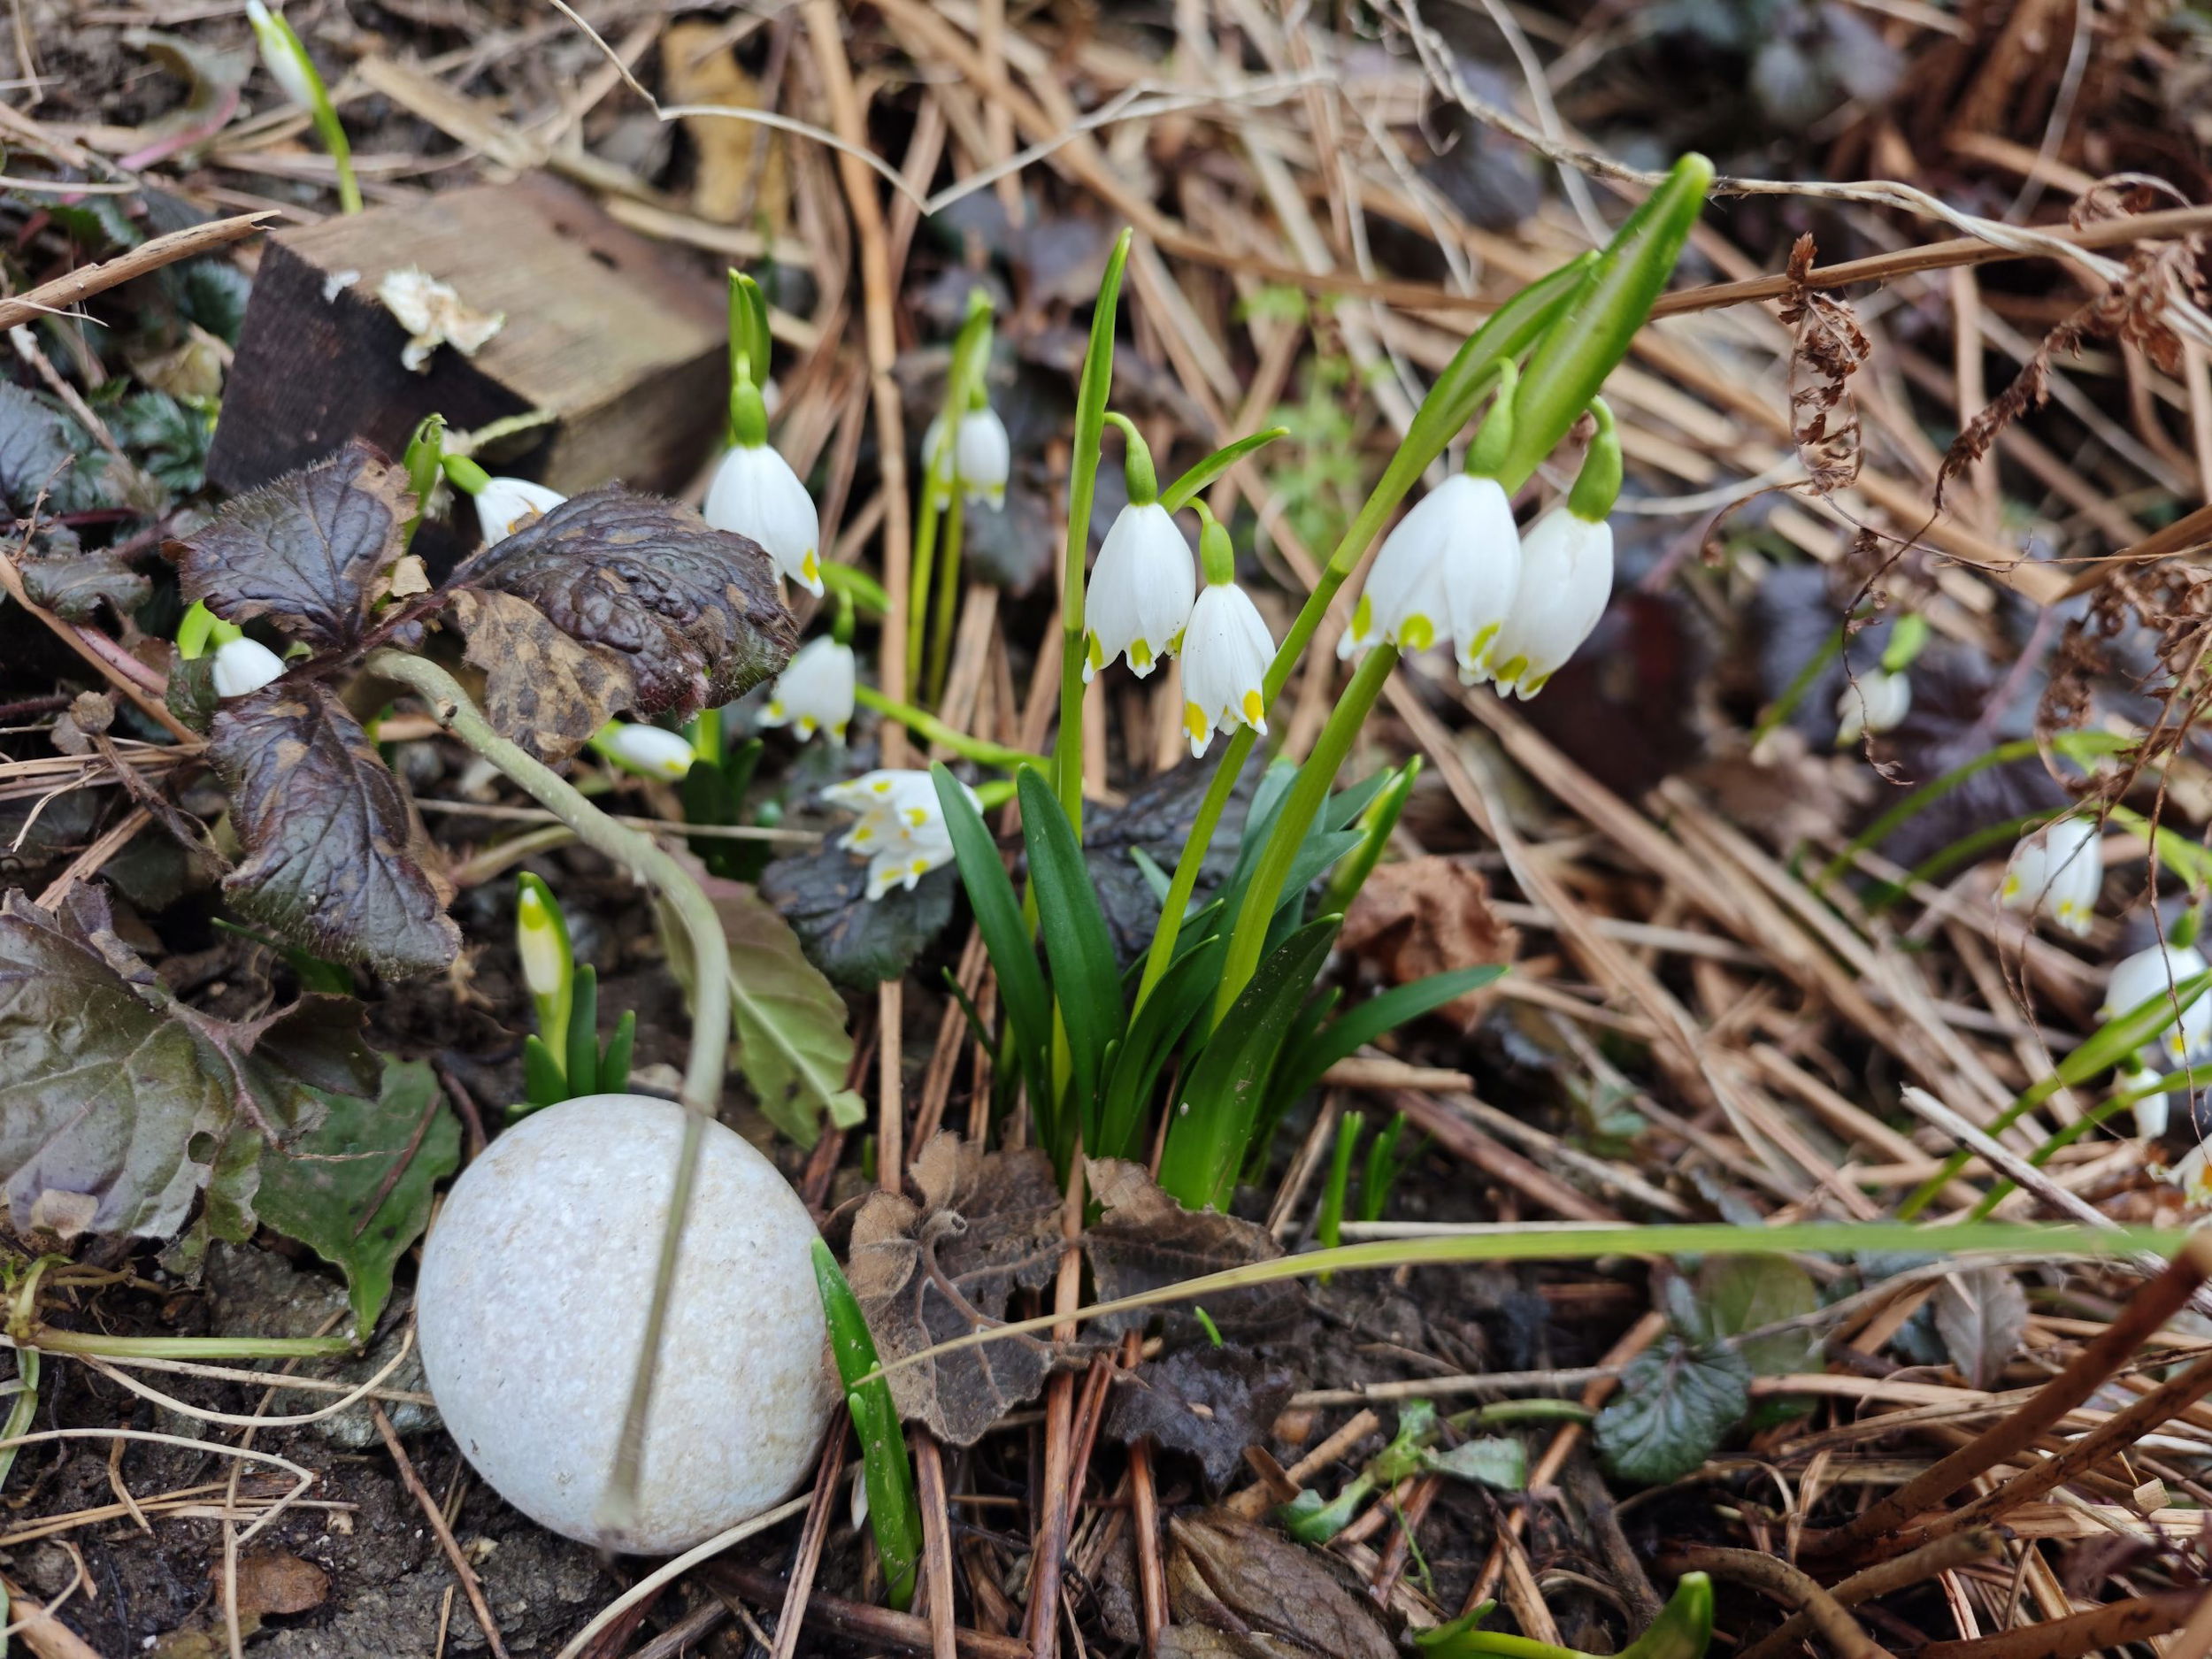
(985, 455)
(649, 749)
(756, 494)
(244, 666)
(2157, 971)
(1566, 580)
(814, 690)
(505, 505)
(1140, 591)
(1404, 601)
(1226, 648)
(2057, 871)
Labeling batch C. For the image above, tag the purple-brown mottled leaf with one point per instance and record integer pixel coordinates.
(688, 612)
(73, 582)
(310, 550)
(550, 692)
(333, 850)
(929, 1273)
(1209, 1402)
(117, 1103)
(1240, 1590)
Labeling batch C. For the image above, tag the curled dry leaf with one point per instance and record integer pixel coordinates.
(1828, 348)
(616, 601)
(335, 853)
(1981, 1314)
(1145, 1241)
(928, 1273)
(118, 1104)
(1240, 1590)
(1209, 1402)
(310, 550)
(1426, 916)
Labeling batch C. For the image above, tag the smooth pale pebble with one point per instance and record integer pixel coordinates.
(531, 1309)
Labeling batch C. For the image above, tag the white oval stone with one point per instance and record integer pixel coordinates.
(531, 1309)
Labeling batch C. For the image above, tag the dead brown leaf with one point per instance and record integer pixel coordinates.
(1240, 1590)
(928, 1273)
(1146, 1241)
(550, 691)
(1427, 916)
(741, 174)
(1209, 1402)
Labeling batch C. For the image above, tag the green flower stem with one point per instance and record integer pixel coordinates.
(930, 729)
(333, 133)
(21, 1414)
(923, 567)
(709, 1058)
(1307, 793)
(2078, 747)
(2192, 1078)
(947, 596)
(1473, 370)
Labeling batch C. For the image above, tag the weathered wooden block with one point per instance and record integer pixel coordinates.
(609, 332)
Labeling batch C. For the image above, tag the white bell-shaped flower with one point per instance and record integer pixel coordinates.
(649, 750)
(1876, 701)
(982, 455)
(1141, 592)
(282, 54)
(815, 691)
(1449, 570)
(756, 494)
(505, 505)
(244, 666)
(2057, 871)
(2159, 972)
(901, 830)
(2193, 1175)
(1226, 648)
(2151, 1110)
(1566, 580)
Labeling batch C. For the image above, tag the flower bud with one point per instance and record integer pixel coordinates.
(243, 665)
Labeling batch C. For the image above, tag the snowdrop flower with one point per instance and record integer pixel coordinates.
(982, 455)
(815, 691)
(2157, 972)
(647, 750)
(1142, 588)
(2057, 871)
(756, 494)
(541, 941)
(244, 666)
(1226, 648)
(2193, 1175)
(1566, 580)
(1878, 701)
(2150, 1110)
(901, 830)
(503, 505)
(283, 55)
(1448, 571)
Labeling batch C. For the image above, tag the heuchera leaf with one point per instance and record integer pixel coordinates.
(73, 584)
(1675, 1402)
(333, 850)
(669, 614)
(858, 942)
(310, 550)
(356, 1190)
(118, 1103)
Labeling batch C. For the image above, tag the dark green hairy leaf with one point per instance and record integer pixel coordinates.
(1675, 1402)
(858, 942)
(356, 1190)
(73, 584)
(310, 550)
(333, 846)
(119, 1105)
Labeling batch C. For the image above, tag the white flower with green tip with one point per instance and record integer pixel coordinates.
(2057, 871)
(815, 691)
(901, 830)
(503, 505)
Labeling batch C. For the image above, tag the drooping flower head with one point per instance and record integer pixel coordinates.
(283, 55)
(242, 665)
(1877, 702)
(650, 751)
(901, 829)
(1143, 585)
(2163, 971)
(754, 492)
(815, 691)
(1566, 572)
(1226, 648)
(503, 505)
(1447, 572)
(2057, 871)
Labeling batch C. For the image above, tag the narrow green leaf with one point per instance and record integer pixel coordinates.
(583, 1034)
(1220, 1098)
(1303, 1067)
(1177, 495)
(895, 1513)
(1085, 980)
(544, 1080)
(614, 1061)
(1153, 1033)
(1006, 937)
